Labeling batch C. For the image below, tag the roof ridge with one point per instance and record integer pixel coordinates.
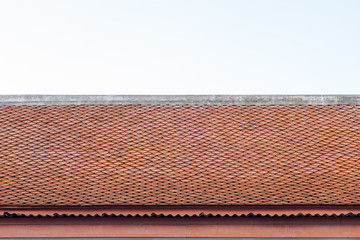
(241, 100)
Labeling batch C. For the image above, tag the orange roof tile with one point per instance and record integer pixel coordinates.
(179, 155)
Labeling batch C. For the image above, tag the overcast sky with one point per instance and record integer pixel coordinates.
(180, 47)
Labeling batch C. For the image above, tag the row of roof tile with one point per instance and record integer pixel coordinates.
(155, 215)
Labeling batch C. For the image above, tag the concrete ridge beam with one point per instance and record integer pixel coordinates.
(240, 100)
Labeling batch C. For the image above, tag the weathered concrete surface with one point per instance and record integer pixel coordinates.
(180, 100)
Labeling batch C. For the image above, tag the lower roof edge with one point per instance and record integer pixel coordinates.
(161, 215)
(183, 211)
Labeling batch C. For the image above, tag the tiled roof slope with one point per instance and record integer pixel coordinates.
(179, 155)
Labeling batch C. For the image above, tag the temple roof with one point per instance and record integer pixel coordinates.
(209, 150)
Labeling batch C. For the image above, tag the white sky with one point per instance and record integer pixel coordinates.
(180, 47)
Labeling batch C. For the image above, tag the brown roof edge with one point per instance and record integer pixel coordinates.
(245, 100)
(156, 227)
(185, 210)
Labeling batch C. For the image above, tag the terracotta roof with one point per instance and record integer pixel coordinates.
(179, 155)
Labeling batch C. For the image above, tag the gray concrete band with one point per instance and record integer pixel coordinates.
(245, 100)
